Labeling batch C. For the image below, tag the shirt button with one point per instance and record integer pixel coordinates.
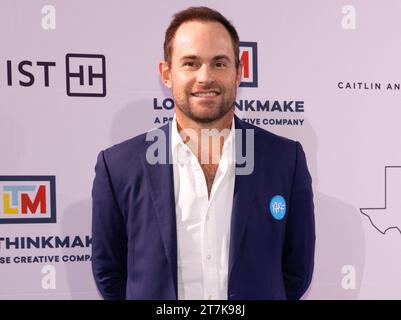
(210, 297)
(208, 257)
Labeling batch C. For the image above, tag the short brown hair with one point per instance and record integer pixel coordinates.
(198, 14)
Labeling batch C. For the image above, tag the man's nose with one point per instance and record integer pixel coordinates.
(204, 75)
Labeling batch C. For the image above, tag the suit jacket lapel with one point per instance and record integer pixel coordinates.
(244, 191)
(162, 193)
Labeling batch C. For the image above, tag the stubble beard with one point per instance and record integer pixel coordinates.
(184, 105)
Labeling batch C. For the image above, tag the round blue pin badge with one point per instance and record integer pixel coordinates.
(278, 207)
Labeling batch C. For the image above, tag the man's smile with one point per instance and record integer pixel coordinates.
(205, 94)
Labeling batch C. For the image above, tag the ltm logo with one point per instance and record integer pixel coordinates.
(27, 199)
(248, 54)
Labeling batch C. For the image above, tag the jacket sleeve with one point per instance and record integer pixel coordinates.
(299, 244)
(109, 244)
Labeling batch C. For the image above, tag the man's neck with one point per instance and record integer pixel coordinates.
(206, 141)
(203, 138)
(184, 122)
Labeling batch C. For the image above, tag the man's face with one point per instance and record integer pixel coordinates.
(202, 74)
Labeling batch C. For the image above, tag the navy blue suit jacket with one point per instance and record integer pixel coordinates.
(134, 239)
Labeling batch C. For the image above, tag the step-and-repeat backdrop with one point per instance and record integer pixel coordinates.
(79, 76)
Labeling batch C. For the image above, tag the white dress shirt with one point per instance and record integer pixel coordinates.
(203, 223)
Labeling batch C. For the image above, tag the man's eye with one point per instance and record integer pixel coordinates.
(189, 64)
(220, 64)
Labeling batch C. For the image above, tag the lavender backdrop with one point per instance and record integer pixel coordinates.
(338, 61)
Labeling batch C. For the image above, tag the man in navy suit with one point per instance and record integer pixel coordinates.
(207, 206)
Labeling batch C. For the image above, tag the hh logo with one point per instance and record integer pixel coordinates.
(248, 54)
(85, 75)
(27, 199)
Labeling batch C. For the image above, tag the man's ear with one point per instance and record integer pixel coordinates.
(239, 74)
(165, 74)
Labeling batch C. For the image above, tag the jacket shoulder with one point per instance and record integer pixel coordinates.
(131, 149)
(127, 149)
(125, 158)
(265, 138)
